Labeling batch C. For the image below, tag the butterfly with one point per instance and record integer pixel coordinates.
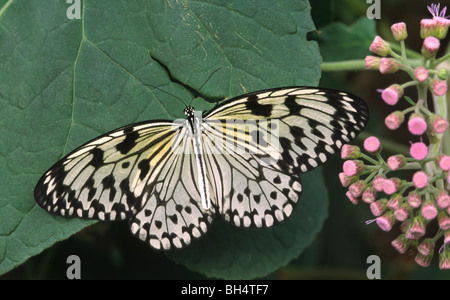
(241, 160)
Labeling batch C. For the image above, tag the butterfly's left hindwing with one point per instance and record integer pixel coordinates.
(254, 148)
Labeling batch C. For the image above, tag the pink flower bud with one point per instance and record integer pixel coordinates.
(417, 124)
(394, 201)
(378, 207)
(442, 23)
(378, 182)
(386, 221)
(401, 244)
(428, 210)
(357, 188)
(399, 31)
(447, 237)
(426, 247)
(420, 179)
(416, 229)
(353, 167)
(439, 87)
(371, 62)
(352, 199)
(421, 74)
(346, 180)
(418, 150)
(414, 199)
(443, 220)
(388, 65)
(443, 162)
(350, 152)
(392, 185)
(369, 195)
(427, 28)
(438, 123)
(422, 260)
(396, 161)
(442, 199)
(392, 94)
(380, 46)
(401, 214)
(444, 259)
(394, 120)
(430, 46)
(372, 144)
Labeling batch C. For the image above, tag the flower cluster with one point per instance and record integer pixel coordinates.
(423, 197)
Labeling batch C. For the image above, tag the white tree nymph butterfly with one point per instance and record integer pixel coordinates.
(242, 160)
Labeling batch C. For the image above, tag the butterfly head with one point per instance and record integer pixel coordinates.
(189, 112)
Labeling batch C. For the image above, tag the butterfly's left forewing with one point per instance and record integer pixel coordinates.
(135, 173)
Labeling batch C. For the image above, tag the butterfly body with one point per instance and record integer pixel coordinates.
(242, 160)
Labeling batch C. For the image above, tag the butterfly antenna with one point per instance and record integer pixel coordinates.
(198, 91)
(176, 97)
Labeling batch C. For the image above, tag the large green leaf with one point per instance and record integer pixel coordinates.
(67, 81)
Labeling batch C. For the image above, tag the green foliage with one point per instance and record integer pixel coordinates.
(67, 81)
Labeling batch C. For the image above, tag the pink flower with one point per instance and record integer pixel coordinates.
(421, 74)
(442, 22)
(401, 214)
(427, 28)
(380, 46)
(372, 144)
(414, 199)
(422, 260)
(394, 120)
(420, 179)
(378, 207)
(357, 188)
(416, 229)
(369, 195)
(401, 244)
(352, 199)
(444, 259)
(392, 185)
(418, 150)
(388, 65)
(443, 220)
(378, 182)
(444, 162)
(350, 152)
(442, 199)
(353, 167)
(438, 123)
(371, 62)
(386, 221)
(428, 210)
(417, 124)
(396, 161)
(438, 87)
(430, 46)
(426, 247)
(392, 94)
(346, 180)
(399, 31)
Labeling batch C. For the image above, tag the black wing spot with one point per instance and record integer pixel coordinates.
(97, 158)
(257, 108)
(144, 166)
(129, 142)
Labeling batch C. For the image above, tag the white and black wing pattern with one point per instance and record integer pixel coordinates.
(130, 173)
(285, 132)
(242, 160)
